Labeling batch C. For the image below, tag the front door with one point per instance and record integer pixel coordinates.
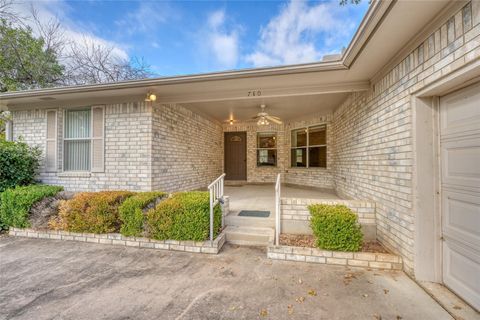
(236, 155)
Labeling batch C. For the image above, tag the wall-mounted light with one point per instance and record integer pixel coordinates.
(231, 122)
(150, 97)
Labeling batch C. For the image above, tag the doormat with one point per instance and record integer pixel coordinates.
(254, 213)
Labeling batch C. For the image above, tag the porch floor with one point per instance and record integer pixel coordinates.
(262, 197)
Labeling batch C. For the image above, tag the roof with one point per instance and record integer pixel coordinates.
(372, 47)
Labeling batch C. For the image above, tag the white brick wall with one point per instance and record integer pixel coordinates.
(187, 149)
(315, 177)
(373, 130)
(127, 148)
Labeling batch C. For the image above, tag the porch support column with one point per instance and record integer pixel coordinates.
(9, 130)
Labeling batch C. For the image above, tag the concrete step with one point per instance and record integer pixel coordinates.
(239, 221)
(250, 236)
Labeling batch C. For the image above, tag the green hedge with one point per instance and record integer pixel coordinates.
(131, 212)
(335, 227)
(184, 216)
(15, 203)
(18, 164)
(92, 212)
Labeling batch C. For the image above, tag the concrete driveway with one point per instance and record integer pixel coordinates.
(46, 279)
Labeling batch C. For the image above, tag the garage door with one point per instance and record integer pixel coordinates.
(460, 167)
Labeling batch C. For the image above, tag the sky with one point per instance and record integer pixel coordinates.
(188, 37)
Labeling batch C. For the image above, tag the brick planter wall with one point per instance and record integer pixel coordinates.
(296, 217)
(118, 239)
(354, 259)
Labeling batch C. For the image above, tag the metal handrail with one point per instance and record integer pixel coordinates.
(216, 194)
(278, 190)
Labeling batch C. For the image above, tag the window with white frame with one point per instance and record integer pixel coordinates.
(266, 149)
(77, 140)
(309, 147)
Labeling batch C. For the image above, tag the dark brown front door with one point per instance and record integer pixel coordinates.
(236, 155)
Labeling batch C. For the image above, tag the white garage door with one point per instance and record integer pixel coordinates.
(460, 158)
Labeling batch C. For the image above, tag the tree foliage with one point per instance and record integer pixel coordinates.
(25, 62)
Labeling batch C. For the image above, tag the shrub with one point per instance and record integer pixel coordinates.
(15, 203)
(18, 164)
(335, 227)
(131, 212)
(93, 212)
(184, 216)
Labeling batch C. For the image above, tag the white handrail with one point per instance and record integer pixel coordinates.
(278, 190)
(216, 193)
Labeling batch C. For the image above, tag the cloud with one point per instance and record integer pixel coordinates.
(222, 41)
(148, 16)
(291, 36)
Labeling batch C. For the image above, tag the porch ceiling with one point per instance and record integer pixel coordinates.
(287, 108)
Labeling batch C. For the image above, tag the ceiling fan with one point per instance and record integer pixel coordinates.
(263, 118)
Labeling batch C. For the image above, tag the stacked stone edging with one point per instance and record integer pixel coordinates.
(354, 259)
(117, 239)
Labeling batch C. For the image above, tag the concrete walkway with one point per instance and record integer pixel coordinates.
(47, 279)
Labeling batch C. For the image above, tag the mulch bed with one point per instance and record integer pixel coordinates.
(302, 240)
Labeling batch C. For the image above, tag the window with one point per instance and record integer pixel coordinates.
(77, 140)
(266, 149)
(309, 147)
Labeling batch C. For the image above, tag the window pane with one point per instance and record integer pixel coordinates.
(317, 136)
(299, 157)
(299, 138)
(266, 157)
(77, 155)
(317, 156)
(77, 124)
(266, 140)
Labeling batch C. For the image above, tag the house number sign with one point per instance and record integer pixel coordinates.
(254, 93)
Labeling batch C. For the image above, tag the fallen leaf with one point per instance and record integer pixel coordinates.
(290, 309)
(386, 291)
(399, 318)
(300, 299)
(263, 313)
(377, 316)
(457, 307)
(312, 292)
(364, 295)
(325, 294)
(300, 280)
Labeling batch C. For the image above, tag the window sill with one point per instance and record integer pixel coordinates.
(73, 174)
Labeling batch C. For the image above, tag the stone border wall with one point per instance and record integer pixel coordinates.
(118, 239)
(295, 215)
(353, 259)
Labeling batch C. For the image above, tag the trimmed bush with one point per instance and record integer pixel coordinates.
(92, 212)
(131, 212)
(184, 216)
(15, 203)
(335, 227)
(18, 164)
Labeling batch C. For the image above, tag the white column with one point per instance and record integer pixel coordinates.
(9, 130)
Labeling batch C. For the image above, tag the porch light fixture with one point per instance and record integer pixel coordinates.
(231, 122)
(150, 97)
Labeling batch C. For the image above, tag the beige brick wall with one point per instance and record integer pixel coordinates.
(187, 149)
(373, 130)
(127, 148)
(315, 177)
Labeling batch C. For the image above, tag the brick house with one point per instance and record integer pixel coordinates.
(395, 120)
